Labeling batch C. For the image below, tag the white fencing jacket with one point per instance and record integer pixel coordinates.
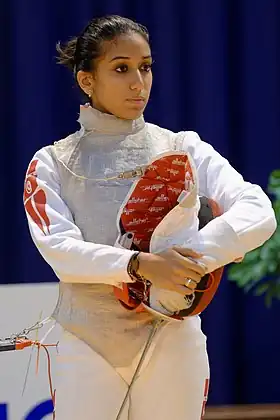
(72, 198)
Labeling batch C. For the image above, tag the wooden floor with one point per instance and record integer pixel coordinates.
(243, 412)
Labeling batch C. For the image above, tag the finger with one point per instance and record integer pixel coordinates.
(190, 284)
(191, 275)
(172, 287)
(182, 275)
(189, 264)
(187, 252)
(200, 268)
(184, 290)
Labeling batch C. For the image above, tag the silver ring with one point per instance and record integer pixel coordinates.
(188, 283)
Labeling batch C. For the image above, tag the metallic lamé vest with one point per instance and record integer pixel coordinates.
(91, 311)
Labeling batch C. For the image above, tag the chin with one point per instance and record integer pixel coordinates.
(131, 114)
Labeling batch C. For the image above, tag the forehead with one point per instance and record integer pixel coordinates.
(131, 45)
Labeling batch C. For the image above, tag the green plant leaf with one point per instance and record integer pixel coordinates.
(271, 289)
(274, 183)
(272, 267)
(261, 289)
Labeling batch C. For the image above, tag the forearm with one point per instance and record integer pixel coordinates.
(77, 261)
(245, 226)
(247, 219)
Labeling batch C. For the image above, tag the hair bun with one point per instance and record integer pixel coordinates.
(67, 53)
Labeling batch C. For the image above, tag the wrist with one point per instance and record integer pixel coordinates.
(145, 260)
(136, 267)
(133, 265)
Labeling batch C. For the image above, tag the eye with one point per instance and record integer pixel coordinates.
(122, 68)
(146, 67)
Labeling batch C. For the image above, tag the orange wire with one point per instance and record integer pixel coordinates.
(52, 391)
(45, 347)
(22, 343)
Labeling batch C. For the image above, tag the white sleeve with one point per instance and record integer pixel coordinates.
(248, 219)
(58, 239)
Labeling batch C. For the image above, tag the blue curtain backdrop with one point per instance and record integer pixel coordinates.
(216, 72)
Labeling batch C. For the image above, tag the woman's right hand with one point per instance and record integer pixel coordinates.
(170, 269)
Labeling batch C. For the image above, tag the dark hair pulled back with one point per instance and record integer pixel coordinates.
(80, 52)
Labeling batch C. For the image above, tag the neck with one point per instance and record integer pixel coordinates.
(92, 119)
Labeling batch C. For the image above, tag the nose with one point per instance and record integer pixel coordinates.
(137, 82)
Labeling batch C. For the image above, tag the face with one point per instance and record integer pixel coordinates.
(122, 79)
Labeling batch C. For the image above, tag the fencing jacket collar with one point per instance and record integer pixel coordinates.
(93, 120)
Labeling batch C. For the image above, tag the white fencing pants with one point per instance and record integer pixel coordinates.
(171, 384)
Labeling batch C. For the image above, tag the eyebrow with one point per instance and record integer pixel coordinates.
(128, 58)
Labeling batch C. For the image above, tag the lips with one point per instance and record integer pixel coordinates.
(136, 100)
(139, 102)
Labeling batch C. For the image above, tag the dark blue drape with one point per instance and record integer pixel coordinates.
(216, 72)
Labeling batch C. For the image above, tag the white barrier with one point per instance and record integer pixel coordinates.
(20, 307)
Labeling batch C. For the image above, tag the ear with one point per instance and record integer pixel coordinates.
(86, 82)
